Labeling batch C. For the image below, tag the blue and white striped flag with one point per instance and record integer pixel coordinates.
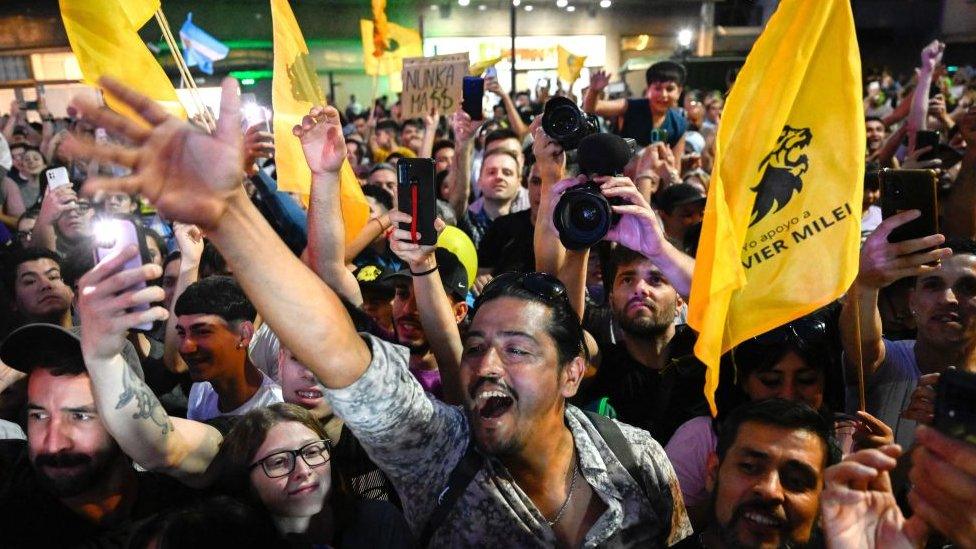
(199, 48)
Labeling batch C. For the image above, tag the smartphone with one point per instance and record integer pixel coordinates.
(659, 134)
(955, 405)
(473, 93)
(417, 196)
(927, 138)
(101, 136)
(903, 190)
(112, 235)
(491, 72)
(57, 178)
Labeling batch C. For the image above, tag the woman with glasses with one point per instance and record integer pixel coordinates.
(796, 361)
(279, 459)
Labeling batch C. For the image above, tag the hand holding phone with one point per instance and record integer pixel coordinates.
(417, 197)
(111, 236)
(955, 405)
(57, 178)
(903, 190)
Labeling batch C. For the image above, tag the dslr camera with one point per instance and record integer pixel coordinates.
(583, 215)
(564, 122)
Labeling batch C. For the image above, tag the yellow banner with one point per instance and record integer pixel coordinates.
(477, 69)
(139, 11)
(106, 43)
(569, 65)
(402, 42)
(294, 90)
(782, 222)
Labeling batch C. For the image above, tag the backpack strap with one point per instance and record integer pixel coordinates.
(458, 481)
(614, 438)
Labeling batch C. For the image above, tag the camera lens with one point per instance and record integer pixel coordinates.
(563, 121)
(582, 216)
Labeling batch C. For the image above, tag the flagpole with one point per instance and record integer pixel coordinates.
(858, 358)
(205, 114)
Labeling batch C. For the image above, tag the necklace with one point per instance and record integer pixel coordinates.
(569, 496)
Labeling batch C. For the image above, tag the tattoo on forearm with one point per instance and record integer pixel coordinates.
(149, 406)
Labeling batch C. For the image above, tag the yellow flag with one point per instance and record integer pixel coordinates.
(476, 69)
(569, 65)
(402, 42)
(294, 90)
(106, 44)
(783, 217)
(139, 11)
(381, 28)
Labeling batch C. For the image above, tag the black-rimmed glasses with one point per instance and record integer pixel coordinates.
(282, 463)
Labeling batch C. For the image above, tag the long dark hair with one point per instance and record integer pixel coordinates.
(238, 450)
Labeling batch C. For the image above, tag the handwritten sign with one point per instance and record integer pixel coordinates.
(432, 83)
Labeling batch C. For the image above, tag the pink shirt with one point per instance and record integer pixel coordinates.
(688, 451)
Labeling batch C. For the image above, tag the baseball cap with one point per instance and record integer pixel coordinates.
(679, 195)
(30, 345)
(372, 278)
(453, 274)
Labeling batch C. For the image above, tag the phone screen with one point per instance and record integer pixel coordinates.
(473, 93)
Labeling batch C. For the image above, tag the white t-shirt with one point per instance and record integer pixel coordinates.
(202, 402)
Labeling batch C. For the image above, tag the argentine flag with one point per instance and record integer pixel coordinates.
(199, 48)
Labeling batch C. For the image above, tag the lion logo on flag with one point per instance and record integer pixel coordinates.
(782, 171)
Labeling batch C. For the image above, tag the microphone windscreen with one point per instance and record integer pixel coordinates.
(603, 154)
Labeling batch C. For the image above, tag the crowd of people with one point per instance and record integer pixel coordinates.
(249, 375)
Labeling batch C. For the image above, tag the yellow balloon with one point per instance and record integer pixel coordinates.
(455, 241)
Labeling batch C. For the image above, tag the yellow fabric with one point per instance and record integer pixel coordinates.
(294, 90)
(476, 69)
(402, 42)
(569, 65)
(139, 11)
(381, 28)
(106, 44)
(783, 217)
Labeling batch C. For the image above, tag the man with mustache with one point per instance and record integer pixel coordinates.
(521, 360)
(766, 477)
(215, 323)
(69, 484)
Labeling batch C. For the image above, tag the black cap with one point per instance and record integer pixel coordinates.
(680, 194)
(28, 346)
(373, 278)
(453, 274)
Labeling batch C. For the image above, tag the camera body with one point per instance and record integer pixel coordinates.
(565, 123)
(583, 216)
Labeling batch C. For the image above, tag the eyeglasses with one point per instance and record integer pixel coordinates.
(804, 332)
(280, 464)
(24, 236)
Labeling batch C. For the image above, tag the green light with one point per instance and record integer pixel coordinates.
(247, 81)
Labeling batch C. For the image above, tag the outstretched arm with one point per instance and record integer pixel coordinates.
(464, 129)
(193, 177)
(326, 233)
(127, 407)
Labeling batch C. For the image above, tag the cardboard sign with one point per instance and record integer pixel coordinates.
(432, 82)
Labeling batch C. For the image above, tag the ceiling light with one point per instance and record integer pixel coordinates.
(464, 2)
(570, 8)
(528, 7)
(561, 3)
(604, 3)
(684, 38)
(482, 7)
(516, 3)
(433, 7)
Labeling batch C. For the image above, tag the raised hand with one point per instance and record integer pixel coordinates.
(912, 161)
(492, 85)
(871, 432)
(321, 135)
(921, 406)
(418, 257)
(55, 204)
(932, 55)
(638, 228)
(189, 240)
(858, 509)
(257, 144)
(943, 477)
(186, 174)
(104, 295)
(884, 262)
(464, 127)
(599, 80)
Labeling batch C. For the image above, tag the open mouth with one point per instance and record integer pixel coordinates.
(310, 394)
(492, 404)
(758, 520)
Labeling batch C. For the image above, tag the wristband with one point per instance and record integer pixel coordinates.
(425, 273)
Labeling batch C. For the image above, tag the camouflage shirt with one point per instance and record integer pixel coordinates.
(417, 442)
